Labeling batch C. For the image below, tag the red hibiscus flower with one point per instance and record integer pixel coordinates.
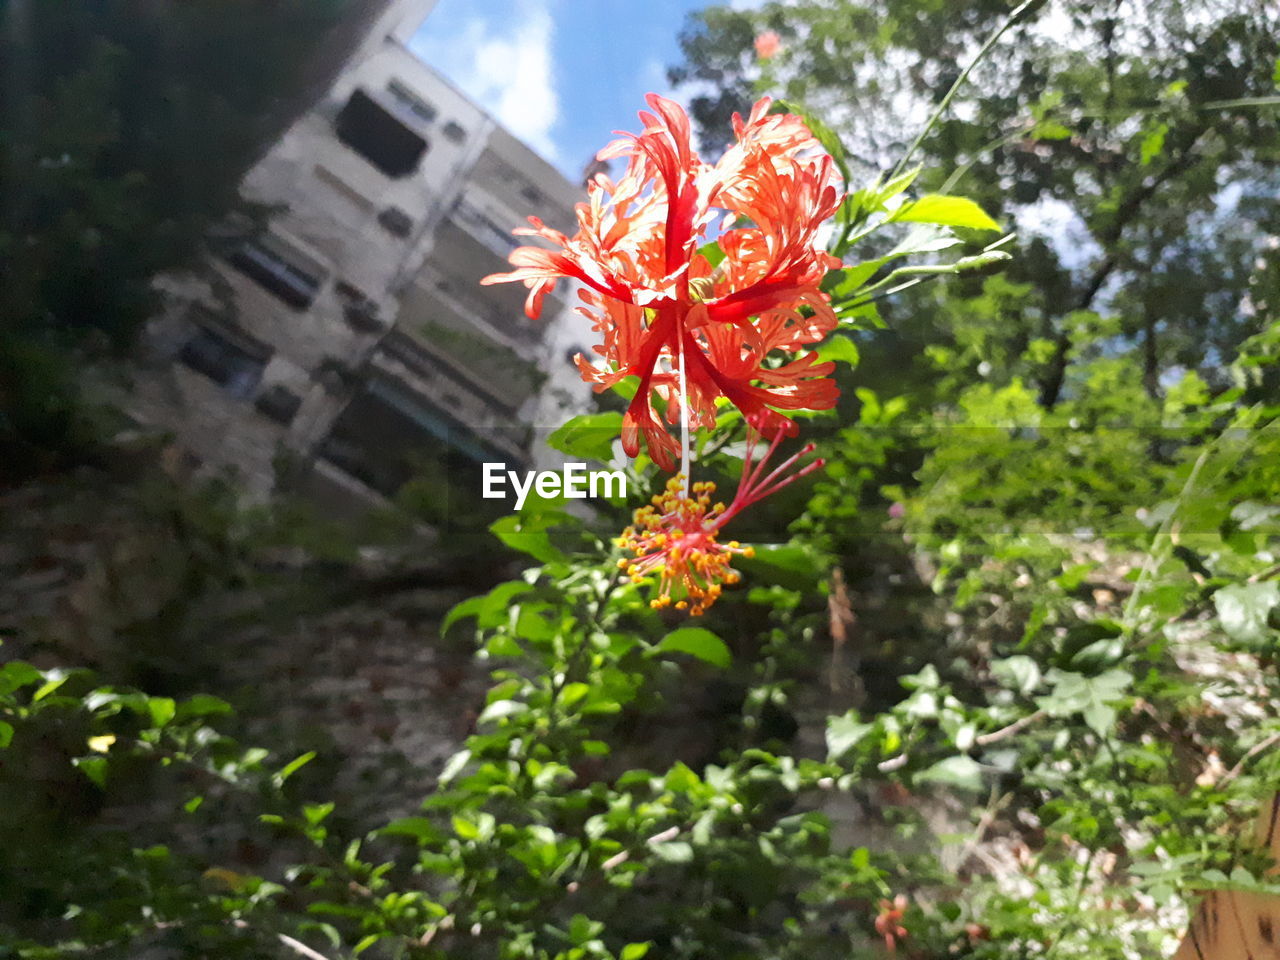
(889, 922)
(659, 304)
(768, 44)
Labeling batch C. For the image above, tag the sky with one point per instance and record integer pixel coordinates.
(561, 75)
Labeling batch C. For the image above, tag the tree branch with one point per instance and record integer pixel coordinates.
(995, 736)
(1125, 213)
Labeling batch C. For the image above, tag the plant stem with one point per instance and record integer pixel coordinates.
(1029, 6)
(686, 453)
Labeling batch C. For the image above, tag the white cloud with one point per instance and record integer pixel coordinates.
(507, 68)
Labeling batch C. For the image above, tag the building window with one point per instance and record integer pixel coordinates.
(381, 137)
(358, 308)
(411, 102)
(293, 282)
(454, 132)
(396, 222)
(279, 404)
(236, 366)
(532, 195)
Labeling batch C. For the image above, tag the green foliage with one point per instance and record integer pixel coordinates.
(1032, 595)
(575, 821)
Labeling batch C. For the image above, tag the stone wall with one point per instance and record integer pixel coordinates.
(142, 582)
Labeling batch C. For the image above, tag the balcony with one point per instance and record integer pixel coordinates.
(394, 429)
(494, 236)
(462, 258)
(440, 299)
(461, 375)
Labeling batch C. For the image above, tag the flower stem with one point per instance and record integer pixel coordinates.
(686, 453)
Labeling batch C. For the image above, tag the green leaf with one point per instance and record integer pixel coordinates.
(416, 828)
(317, 812)
(865, 316)
(859, 205)
(292, 767)
(1092, 697)
(202, 705)
(582, 928)
(844, 733)
(572, 693)
(95, 768)
(626, 388)
(528, 535)
(788, 565)
(897, 185)
(489, 610)
(961, 772)
(680, 779)
(712, 253)
(698, 642)
(1050, 130)
(53, 679)
(674, 851)
(1098, 655)
(589, 436)
(635, 951)
(501, 708)
(454, 766)
(841, 349)
(1153, 143)
(161, 709)
(924, 238)
(946, 211)
(6, 734)
(1243, 609)
(843, 284)
(479, 829)
(1020, 673)
(503, 645)
(17, 674)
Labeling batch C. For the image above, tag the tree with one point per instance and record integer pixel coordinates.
(1144, 133)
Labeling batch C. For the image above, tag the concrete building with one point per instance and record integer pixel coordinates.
(340, 343)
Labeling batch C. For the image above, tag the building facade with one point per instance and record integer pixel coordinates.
(340, 343)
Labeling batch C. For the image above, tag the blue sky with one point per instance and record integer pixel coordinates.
(560, 74)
